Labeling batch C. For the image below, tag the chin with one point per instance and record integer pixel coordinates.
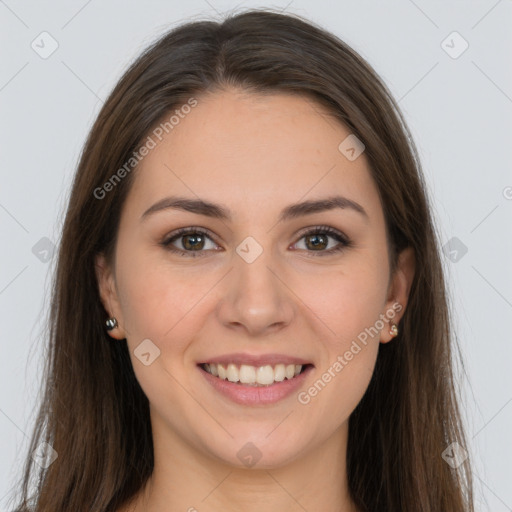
(256, 449)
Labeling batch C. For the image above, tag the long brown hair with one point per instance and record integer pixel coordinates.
(94, 413)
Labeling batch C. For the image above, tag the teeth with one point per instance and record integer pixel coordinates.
(279, 372)
(232, 373)
(252, 375)
(265, 375)
(247, 374)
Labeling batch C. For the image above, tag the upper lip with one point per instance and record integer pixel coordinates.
(255, 360)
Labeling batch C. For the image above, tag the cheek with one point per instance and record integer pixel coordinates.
(155, 298)
(349, 298)
(349, 302)
(160, 305)
(350, 351)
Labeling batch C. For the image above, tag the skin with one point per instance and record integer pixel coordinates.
(255, 155)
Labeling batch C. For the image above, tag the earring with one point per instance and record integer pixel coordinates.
(394, 330)
(111, 323)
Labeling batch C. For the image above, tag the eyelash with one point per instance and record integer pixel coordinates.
(344, 241)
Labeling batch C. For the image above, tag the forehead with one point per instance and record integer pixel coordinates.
(252, 150)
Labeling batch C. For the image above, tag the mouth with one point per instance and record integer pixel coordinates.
(255, 379)
(255, 376)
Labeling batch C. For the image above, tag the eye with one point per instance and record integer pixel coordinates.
(190, 242)
(316, 240)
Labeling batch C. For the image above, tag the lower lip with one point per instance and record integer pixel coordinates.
(256, 395)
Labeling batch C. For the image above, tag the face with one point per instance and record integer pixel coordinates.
(261, 288)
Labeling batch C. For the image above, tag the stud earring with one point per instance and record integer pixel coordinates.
(111, 323)
(394, 330)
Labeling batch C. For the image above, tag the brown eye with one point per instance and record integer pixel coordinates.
(189, 242)
(317, 241)
(193, 242)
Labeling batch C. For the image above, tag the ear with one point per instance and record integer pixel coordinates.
(108, 294)
(398, 292)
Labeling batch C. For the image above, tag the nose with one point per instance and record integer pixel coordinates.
(256, 298)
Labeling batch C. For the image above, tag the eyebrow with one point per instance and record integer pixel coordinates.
(217, 211)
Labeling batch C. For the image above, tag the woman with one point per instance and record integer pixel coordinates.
(249, 307)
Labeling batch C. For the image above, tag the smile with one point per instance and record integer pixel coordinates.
(255, 385)
(254, 375)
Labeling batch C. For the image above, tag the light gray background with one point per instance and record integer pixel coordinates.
(459, 111)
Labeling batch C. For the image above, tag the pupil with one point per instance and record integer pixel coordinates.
(197, 240)
(316, 242)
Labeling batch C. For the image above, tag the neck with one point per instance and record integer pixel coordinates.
(184, 479)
